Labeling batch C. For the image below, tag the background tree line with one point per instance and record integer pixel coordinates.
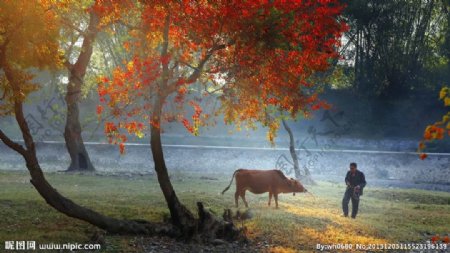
(397, 48)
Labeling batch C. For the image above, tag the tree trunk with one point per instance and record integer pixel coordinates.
(181, 217)
(292, 149)
(306, 178)
(79, 158)
(207, 227)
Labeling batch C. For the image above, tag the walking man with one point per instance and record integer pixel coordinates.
(355, 181)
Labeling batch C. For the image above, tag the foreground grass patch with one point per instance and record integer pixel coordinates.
(386, 215)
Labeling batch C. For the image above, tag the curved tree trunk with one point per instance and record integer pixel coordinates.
(180, 215)
(71, 209)
(207, 226)
(79, 158)
(306, 178)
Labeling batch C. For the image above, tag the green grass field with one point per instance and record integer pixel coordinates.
(386, 215)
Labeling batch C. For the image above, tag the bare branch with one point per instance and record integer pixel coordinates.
(13, 145)
(197, 70)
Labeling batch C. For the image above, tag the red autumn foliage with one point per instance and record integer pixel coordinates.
(438, 130)
(257, 56)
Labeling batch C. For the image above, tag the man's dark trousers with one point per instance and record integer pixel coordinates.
(355, 202)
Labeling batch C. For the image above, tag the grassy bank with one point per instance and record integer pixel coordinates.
(386, 215)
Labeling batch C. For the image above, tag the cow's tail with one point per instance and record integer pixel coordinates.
(228, 187)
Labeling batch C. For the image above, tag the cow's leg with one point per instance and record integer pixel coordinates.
(275, 195)
(243, 198)
(270, 197)
(236, 198)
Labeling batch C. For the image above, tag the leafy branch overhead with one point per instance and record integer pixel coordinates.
(255, 56)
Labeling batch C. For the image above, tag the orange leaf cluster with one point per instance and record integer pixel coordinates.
(438, 130)
(29, 41)
(434, 132)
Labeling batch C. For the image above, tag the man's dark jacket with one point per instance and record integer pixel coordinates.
(357, 179)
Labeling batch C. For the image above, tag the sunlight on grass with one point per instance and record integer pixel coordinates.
(316, 212)
(340, 230)
(302, 227)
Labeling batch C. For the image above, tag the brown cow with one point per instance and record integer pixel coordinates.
(261, 181)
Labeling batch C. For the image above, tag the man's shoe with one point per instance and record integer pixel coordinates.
(353, 217)
(345, 215)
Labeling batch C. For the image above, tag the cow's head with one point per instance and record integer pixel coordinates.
(296, 186)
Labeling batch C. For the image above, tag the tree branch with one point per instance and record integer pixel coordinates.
(88, 40)
(194, 76)
(73, 27)
(18, 109)
(197, 70)
(164, 53)
(13, 145)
